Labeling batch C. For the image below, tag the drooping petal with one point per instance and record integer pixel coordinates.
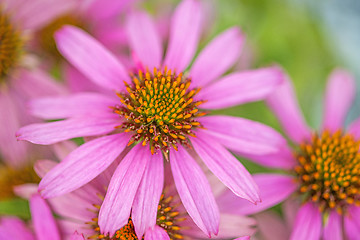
(156, 233)
(284, 104)
(309, 218)
(53, 132)
(217, 57)
(14, 228)
(115, 210)
(43, 220)
(340, 93)
(241, 87)
(147, 198)
(91, 58)
(274, 188)
(197, 199)
(82, 165)
(271, 226)
(185, 32)
(25, 190)
(144, 39)
(42, 167)
(352, 223)
(226, 167)
(77, 236)
(333, 228)
(70, 106)
(243, 135)
(232, 225)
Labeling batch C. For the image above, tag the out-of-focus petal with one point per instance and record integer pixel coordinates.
(14, 228)
(340, 93)
(115, 210)
(354, 128)
(26, 190)
(197, 198)
(145, 206)
(82, 165)
(185, 32)
(333, 227)
(273, 189)
(53, 132)
(309, 218)
(103, 9)
(352, 223)
(77, 236)
(43, 219)
(42, 167)
(144, 39)
(284, 104)
(271, 226)
(218, 56)
(241, 87)
(91, 58)
(156, 233)
(226, 167)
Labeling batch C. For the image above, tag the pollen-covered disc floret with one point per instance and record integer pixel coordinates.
(168, 217)
(10, 45)
(159, 109)
(329, 170)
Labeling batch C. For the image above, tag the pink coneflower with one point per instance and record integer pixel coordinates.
(323, 171)
(19, 79)
(155, 115)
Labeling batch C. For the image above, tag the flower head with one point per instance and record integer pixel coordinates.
(152, 115)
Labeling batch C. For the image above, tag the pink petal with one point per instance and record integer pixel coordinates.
(354, 128)
(156, 233)
(207, 67)
(352, 223)
(185, 32)
(26, 190)
(145, 206)
(340, 93)
(49, 133)
(243, 238)
(285, 106)
(271, 226)
(115, 210)
(14, 228)
(226, 167)
(64, 148)
(197, 199)
(83, 165)
(241, 87)
(42, 167)
(333, 228)
(99, 10)
(144, 39)
(309, 218)
(91, 58)
(43, 220)
(76, 82)
(274, 188)
(232, 225)
(243, 135)
(73, 105)
(77, 236)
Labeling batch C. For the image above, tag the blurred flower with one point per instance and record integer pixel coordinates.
(323, 167)
(158, 109)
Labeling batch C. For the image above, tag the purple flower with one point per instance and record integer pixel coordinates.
(155, 115)
(322, 184)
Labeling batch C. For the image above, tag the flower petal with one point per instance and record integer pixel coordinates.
(241, 87)
(271, 226)
(82, 165)
(226, 167)
(207, 67)
(145, 206)
(354, 128)
(309, 218)
(333, 228)
(144, 39)
(197, 198)
(243, 238)
(185, 32)
(243, 135)
(70, 106)
(156, 233)
(14, 228)
(285, 106)
(352, 223)
(43, 220)
(115, 210)
(340, 93)
(274, 188)
(42, 167)
(25, 190)
(49, 133)
(91, 58)
(77, 236)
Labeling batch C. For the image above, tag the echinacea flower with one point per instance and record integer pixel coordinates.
(156, 117)
(322, 187)
(20, 80)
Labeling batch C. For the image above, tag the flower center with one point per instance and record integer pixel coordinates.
(46, 34)
(10, 177)
(159, 109)
(10, 45)
(167, 217)
(329, 170)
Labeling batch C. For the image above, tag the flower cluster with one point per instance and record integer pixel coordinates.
(127, 139)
